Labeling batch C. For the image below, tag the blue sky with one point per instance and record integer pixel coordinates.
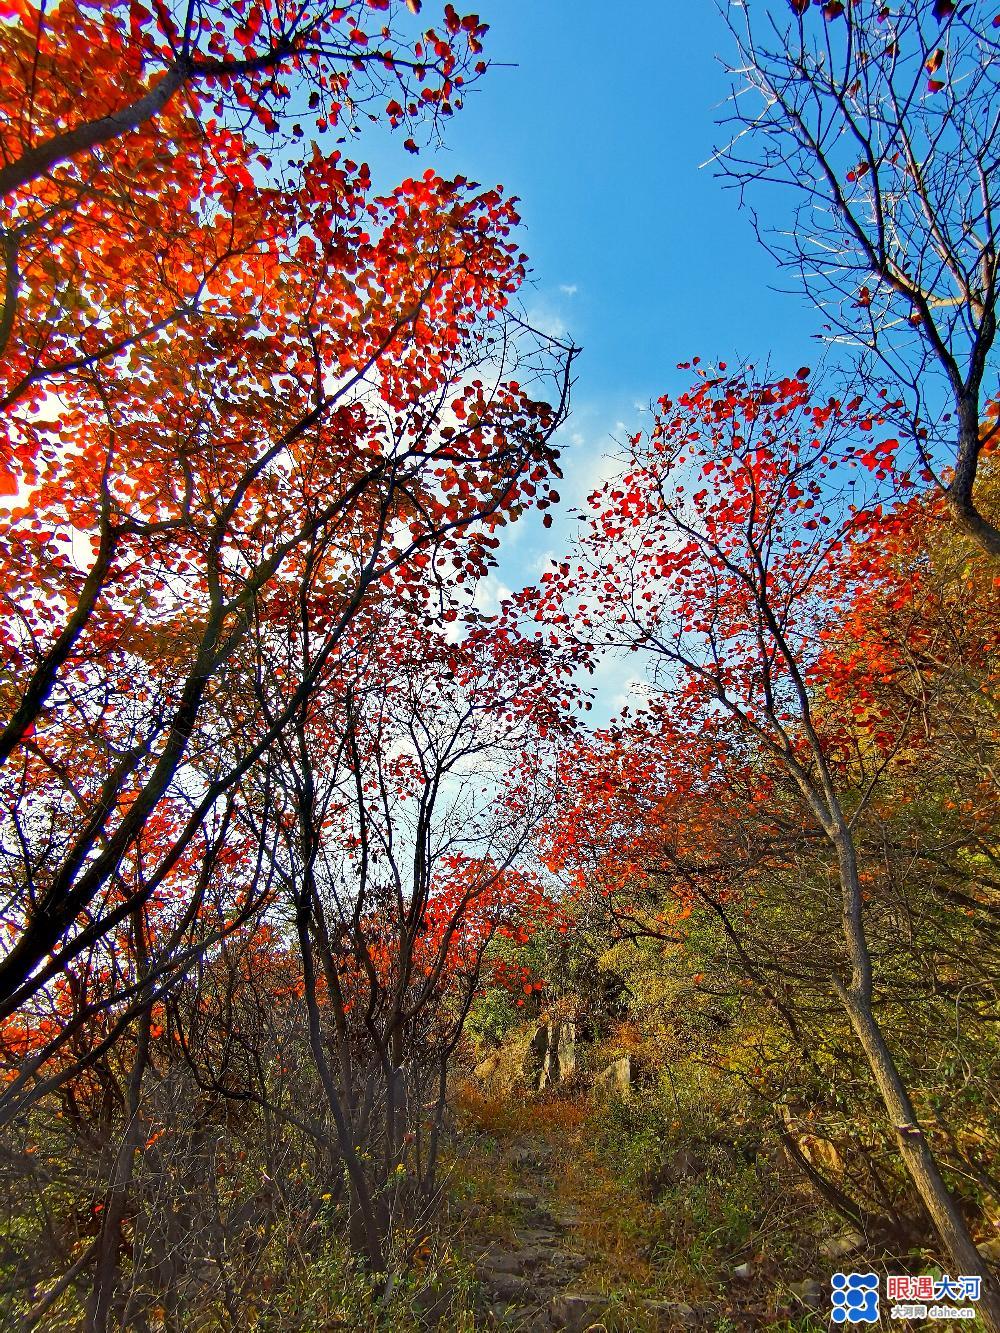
(598, 117)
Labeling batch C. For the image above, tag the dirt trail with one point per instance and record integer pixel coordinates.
(543, 1258)
(526, 1266)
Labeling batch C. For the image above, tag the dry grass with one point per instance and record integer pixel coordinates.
(615, 1224)
(504, 1116)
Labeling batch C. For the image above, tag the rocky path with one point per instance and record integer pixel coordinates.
(524, 1272)
(534, 1259)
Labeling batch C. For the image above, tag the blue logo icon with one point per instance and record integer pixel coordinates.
(855, 1298)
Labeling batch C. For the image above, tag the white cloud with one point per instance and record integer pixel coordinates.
(568, 288)
(490, 593)
(544, 317)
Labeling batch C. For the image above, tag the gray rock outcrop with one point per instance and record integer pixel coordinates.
(617, 1078)
(534, 1058)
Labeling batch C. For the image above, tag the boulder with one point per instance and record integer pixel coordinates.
(818, 1151)
(617, 1078)
(683, 1164)
(539, 1042)
(485, 1070)
(515, 1064)
(434, 1304)
(533, 1058)
(558, 1062)
(821, 1153)
(566, 1050)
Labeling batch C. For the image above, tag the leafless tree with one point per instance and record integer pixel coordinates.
(880, 125)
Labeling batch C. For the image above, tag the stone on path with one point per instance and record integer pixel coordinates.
(576, 1311)
(531, 1156)
(567, 1259)
(566, 1216)
(670, 1314)
(527, 1277)
(520, 1261)
(529, 1319)
(839, 1247)
(510, 1288)
(526, 1236)
(810, 1293)
(525, 1200)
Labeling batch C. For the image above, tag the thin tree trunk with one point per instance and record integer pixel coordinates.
(914, 1149)
(116, 1200)
(960, 493)
(369, 1233)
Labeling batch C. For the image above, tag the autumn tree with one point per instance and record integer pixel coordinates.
(108, 111)
(239, 57)
(408, 786)
(704, 911)
(244, 395)
(878, 124)
(727, 551)
(222, 362)
(170, 1174)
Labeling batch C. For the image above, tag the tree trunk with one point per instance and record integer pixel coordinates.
(914, 1149)
(960, 493)
(366, 1233)
(116, 1200)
